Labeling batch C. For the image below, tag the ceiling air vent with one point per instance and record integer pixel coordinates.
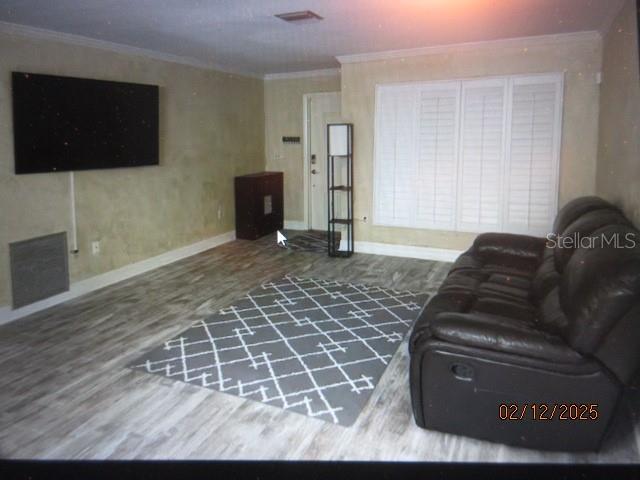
(305, 16)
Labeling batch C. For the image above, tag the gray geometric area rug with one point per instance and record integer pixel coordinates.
(315, 347)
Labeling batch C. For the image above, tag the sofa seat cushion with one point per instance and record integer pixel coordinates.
(500, 290)
(506, 335)
(521, 282)
(496, 286)
(505, 308)
(474, 266)
(495, 269)
(460, 282)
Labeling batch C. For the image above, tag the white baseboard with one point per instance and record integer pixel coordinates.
(99, 281)
(295, 225)
(410, 251)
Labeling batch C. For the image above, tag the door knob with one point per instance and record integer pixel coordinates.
(314, 171)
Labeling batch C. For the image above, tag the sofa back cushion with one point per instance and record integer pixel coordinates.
(546, 276)
(551, 314)
(619, 350)
(581, 228)
(600, 285)
(580, 217)
(576, 208)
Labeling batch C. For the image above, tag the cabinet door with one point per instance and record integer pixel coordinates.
(245, 196)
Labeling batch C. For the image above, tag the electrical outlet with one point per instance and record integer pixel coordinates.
(95, 247)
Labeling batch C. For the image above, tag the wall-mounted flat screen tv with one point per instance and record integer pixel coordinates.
(65, 123)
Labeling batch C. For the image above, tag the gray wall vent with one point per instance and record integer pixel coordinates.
(39, 268)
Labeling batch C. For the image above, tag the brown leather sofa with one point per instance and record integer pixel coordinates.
(531, 341)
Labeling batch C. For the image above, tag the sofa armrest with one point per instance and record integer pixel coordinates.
(507, 247)
(503, 335)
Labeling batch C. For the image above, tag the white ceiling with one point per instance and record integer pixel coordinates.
(244, 35)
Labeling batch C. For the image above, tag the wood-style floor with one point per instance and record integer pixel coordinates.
(65, 391)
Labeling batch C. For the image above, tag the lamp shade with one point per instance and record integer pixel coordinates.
(338, 140)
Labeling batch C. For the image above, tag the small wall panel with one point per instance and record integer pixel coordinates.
(39, 268)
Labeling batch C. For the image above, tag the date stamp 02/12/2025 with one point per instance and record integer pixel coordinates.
(548, 411)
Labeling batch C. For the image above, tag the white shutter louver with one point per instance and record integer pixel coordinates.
(481, 155)
(532, 164)
(395, 157)
(404, 185)
(437, 156)
(385, 147)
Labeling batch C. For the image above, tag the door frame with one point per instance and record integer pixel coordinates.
(306, 159)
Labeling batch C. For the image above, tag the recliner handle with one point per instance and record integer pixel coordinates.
(462, 371)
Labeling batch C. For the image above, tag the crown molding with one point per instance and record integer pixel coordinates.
(80, 40)
(533, 41)
(325, 72)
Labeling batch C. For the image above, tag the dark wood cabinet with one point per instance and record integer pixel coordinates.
(259, 204)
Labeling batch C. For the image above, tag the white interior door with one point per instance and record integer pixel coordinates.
(322, 109)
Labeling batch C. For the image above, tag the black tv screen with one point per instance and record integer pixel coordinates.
(65, 123)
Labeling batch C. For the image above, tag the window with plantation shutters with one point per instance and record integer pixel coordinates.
(468, 155)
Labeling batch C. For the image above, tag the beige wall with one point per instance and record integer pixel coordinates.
(618, 178)
(579, 58)
(211, 129)
(283, 117)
